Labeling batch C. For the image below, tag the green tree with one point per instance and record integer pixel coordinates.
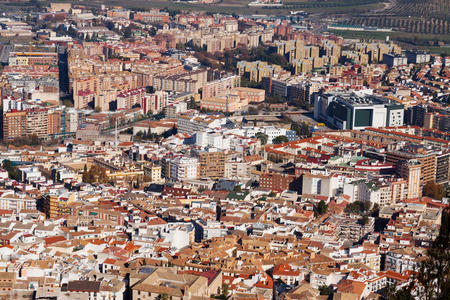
(164, 297)
(192, 104)
(357, 207)
(364, 220)
(181, 46)
(301, 130)
(322, 207)
(237, 188)
(326, 290)
(262, 137)
(127, 33)
(152, 31)
(274, 99)
(225, 291)
(13, 171)
(434, 272)
(280, 139)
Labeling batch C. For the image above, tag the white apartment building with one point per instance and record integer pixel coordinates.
(193, 123)
(213, 139)
(184, 168)
(16, 202)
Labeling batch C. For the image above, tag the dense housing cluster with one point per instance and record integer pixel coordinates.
(176, 155)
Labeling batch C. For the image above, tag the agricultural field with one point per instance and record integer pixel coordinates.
(334, 6)
(241, 6)
(413, 16)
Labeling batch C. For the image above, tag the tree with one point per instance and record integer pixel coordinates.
(280, 139)
(127, 33)
(237, 189)
(13, 171)
(326, 290)
(181, 46)
(252, 111)
(68, 103)
(434, 272)
(152, 31)
(225, 291)
(274, 99)
(433, 190)
(262, 137)
(30, 140)
(364, 220)
(357, 207)
(301, 130)
(389, 291)
(192, 104)
(109, 25)
(95, 174)
(322, 207)
(164, 297)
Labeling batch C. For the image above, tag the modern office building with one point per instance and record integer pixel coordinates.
(350, 111)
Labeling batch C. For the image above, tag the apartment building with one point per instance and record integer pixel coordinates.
(118, 13)
(32, 58)
(58, 205)
(442, 167)
(252, 95)
(221, 86)
(256, 70)
(40, 122)
(350, 228)
(16, 202)
(189, 82)
(226, 103)
(236, 170)
(411, 170)
(193, 123)
(153, 171)
(87, 89)
(375, 51)
(279, 182)
(211, 164)
(184, 168)
(130, 98)
(14, 124)
(401, 260)
(155, 102)
(152, 16)
(433, 120)
(426, 157)
(37, 122)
